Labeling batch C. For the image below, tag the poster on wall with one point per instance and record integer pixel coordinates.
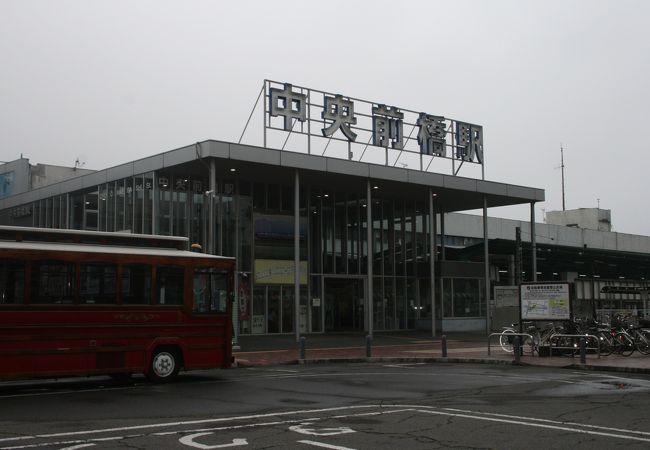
(506, 296)
(278, 271)
(545, 301)
(258, 324)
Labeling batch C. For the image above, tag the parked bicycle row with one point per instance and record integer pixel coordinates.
(621, 336)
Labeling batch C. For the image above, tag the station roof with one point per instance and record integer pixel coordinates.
(453, 193)
(589, 262)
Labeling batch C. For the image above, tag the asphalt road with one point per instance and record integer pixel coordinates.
(343, 406)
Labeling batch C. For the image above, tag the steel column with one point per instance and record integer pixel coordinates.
(533, 240)
(443, 255)
(296, 253)
(487, 265)
(370, 255)
(211, 193)
(264, 113)
(432, 262)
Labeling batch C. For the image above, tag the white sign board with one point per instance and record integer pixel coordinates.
(545, 301)
(506, 296)
(258, 324)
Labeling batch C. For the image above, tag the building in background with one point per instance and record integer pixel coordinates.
(589, 218)
(20, 176)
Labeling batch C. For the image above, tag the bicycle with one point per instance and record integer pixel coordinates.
(544, 338)
(641, 340)
(528, 343)
(598, 337)
(623, 342)
(603, 333)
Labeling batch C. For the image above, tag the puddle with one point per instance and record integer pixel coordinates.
(618, 384)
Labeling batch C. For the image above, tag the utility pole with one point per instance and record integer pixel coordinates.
(562, 167)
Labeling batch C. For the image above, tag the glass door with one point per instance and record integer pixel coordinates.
(344, 304)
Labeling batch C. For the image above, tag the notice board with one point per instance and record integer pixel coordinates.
(545, 301)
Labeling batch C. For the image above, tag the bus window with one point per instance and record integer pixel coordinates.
(136, 284)
(53, 282)
(210, 291)
(169, 285)
(12, 282)
(98, 283)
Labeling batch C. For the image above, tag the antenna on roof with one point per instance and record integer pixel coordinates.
(79, 163)
(562, 167)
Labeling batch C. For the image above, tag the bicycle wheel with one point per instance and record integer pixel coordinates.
(623, 344)
(506, 340)
(641, 343)
(529, 346)
(606, 343)
(568, 346)
(646, 333)
(537, 340)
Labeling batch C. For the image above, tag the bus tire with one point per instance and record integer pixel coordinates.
(165, 364)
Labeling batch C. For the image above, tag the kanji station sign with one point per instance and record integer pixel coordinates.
(311, 112)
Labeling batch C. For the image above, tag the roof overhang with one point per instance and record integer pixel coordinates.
(452, 193)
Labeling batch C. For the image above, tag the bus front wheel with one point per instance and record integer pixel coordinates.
(164, 367)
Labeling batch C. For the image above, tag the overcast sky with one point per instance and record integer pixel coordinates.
(113, 81)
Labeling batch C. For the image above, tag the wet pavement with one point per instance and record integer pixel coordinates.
(412, 346)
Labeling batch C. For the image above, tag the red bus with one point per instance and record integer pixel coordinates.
(72, 304)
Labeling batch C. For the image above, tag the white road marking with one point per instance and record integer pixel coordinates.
(323, 445)
(539, 425)
(531, 378)
(189, 441)
(556, 422)
(288, 373)
(75, 447)
(404, 366)
(52, 444)
(38, 394)
(273, 370)
(214, 429)
(229, 428)
(353, 411)
(185, 423)
(302, 429)
(626, 379)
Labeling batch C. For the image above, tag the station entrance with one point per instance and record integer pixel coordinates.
(344, 304)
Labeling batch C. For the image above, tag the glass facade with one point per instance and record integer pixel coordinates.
(254, 222)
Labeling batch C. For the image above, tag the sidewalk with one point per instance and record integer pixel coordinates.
(411, 346)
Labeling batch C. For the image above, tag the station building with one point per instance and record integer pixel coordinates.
(330, 243)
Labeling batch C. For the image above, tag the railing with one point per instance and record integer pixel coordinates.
(509, 335)
(572, 336)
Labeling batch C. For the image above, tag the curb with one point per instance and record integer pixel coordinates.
(498, 362)
(384, 359)
(586, 367)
